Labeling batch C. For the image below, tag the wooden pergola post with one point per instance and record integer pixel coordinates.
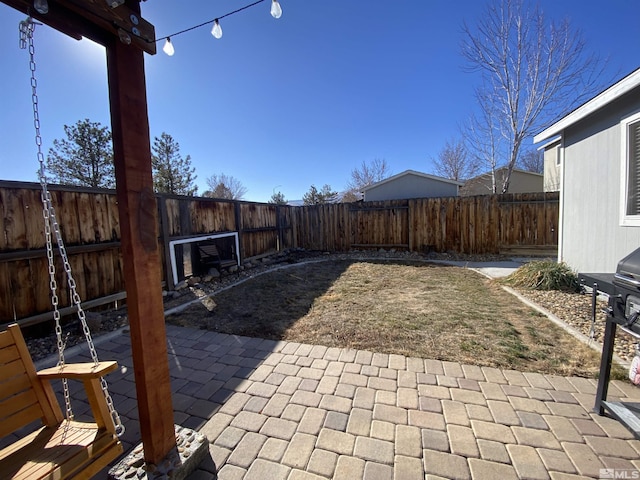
(105, 23)
(141, 257)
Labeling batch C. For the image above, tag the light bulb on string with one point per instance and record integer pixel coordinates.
(276, 9)
(41, 6)
(216, 31)
(168, 47)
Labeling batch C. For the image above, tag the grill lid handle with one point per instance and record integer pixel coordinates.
(627, 281)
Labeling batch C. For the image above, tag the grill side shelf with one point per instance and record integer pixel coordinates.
(598, 282)
(628, 413)
(601, 282)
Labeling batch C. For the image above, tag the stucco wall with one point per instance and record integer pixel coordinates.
(520, 182)
(592, 238)
(552, 168)
(410, 186)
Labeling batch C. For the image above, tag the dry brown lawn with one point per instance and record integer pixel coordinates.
(419, 310)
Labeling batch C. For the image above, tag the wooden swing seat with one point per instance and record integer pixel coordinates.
(60, 449)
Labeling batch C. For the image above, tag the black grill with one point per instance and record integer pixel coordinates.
(624, 304)
(623, 288)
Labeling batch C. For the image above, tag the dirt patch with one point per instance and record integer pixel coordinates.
(409, 308)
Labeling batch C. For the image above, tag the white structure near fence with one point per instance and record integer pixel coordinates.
(195, 239)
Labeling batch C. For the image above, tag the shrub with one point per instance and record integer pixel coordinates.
(544, 275)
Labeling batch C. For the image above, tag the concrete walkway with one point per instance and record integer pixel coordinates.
(488, 269)
(279, 410)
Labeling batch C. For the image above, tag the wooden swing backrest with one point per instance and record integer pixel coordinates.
(23, 398)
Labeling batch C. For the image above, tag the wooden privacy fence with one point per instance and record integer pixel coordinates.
(90, 227)
(473, 225)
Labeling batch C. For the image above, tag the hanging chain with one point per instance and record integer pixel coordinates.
(27, 28)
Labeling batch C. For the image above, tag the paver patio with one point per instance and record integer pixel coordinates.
(282, 410)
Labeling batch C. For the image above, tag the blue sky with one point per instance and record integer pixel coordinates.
(284, 104)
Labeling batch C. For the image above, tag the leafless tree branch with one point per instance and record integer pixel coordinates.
(533, 70)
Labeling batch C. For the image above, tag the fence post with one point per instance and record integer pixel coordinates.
(185, 229)
(238, 220)
(279, 227)
(164, 241)
(410, 213)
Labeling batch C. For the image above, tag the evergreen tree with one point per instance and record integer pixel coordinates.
(317, 197)
(84, 158)
(171, 173)
(278, 198)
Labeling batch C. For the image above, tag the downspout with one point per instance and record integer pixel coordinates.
(561, 205)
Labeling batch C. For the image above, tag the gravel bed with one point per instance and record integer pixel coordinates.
(574, 309)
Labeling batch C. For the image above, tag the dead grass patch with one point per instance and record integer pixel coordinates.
(420, 310)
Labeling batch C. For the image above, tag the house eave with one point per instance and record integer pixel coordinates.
(612, 93)
(555, 139)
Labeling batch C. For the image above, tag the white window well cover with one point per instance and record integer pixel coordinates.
(630, 188)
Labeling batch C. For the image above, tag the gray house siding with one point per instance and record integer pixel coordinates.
(592, 238)
(410, 186)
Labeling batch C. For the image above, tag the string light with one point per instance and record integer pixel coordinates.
(216, 31)
(168, 47)
(41, 6)
(276, 9)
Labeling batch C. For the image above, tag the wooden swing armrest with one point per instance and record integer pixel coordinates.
(90, 374)
(78, 371)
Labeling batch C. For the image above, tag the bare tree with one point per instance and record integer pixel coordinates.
(363, 176)
(350, 196)
(225, 186)
(454, 162)
(532, 69)
(484, 139)
(532, 161)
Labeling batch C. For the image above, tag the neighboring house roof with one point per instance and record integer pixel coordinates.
(412, 172)
(607, 96)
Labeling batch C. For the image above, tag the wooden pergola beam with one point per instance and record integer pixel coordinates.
(61, 19)
(94, 19)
